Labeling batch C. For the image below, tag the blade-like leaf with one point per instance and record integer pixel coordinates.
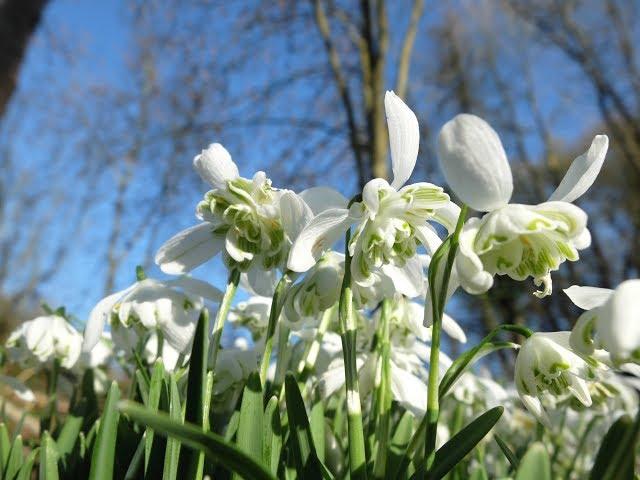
(14, 463)
(452, 452)
(5, 446)
(192, 462)
(249, 437)
(27, 467)
(317, 427)
(508, 453)
(102, 459)
(272, 440)
(535, 465)
(306, 460)
(212, 445)
(172, 452)
(616, 441)
(48, 458)
(155, 389)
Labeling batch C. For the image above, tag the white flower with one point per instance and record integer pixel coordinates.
(318, 290)
(611, 322)
(170, 307)
(546, 366)
(391, 220)
(233, 367)
(21, 391)
(252, 314)
(43, 339)
(247, 219)
(520, 241)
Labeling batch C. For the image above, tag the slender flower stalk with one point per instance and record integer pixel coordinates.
(52, 393)
(438, 293)
(221, 316)
(383, 400)
(274, 314)
(357, 456)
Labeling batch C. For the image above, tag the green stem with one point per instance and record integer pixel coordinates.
(357, 455)
(281, 359)
(312, 349)
(274, 315)
(580, 446)
(438, 300)
(52, 393)
(221, 316)
(383, 403)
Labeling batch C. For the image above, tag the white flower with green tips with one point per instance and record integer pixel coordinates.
(169, 308)
(520, 241)
(391, 220)
(611, 322)
(547, 366)
(40, 341)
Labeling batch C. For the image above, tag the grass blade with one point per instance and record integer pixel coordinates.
(535, 464)
(102, 459)
(172, 452)
(48, 458)
(250, 433)
(272, 439)
(14, 463)
(508, 453)
(210, 444)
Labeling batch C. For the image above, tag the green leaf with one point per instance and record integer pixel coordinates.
(172, 452)
(452, 452)
(143, 386)
(308, 465)
(27, 466)
(212, 445)
(399, 442)
(102, 459)
(535, 465)
(508, 453)
(317, 428)
(249, 437)
(5, 446)
(68, 435)
(272, 439)
(134, 470)
(479, 474)
(48, 458)
(12, 467)
(155, 389)
(192, 462)
(614, 459)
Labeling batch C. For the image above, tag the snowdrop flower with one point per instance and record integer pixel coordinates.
(546, 365)
(391, 220)
(171, 308)
(252, 314)
(610, 322)
(520, 241)
(232, 370)
(20, 390)
(318, 290)
(44, 339)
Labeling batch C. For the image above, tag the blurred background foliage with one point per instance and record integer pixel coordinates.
(104, 106)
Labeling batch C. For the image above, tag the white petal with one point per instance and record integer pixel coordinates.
(197, 287)
(587, 297)
(370, 194)
(583, 171)
(407, 280)
(428, 237)
(98, 317)
(581, 338)
(320, 199)
(447, 216)
(189, 249)
(332, 380)
(580, 390)
(404, 138)
(474, 162)
(214, 165)
(23, 392)
(409, 390)
(260, 282)
(320, 234)
(534, 405)
(295, 213)
(451, 327)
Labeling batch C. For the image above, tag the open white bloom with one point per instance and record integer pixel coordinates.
(391, 221)
(44, 339)
(318, 290)
(248, 220)
(252, 314)
(546, 365)
(611, 322)
(517, 240)
(171, 308)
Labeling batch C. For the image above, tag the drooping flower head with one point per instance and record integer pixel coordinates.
(169, 308)
(517, 240)
(40, 341)
(391, 220)
(611, 322)
(546, 366)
